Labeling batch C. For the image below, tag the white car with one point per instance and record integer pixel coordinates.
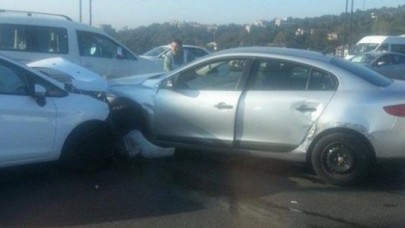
(32, 36)
(44, 120)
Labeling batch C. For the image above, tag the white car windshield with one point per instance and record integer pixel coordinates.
(363, 47)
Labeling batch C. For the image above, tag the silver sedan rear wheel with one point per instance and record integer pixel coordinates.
(341, 159)
(338, 158)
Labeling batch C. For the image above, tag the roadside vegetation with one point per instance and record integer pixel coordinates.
(327, 33)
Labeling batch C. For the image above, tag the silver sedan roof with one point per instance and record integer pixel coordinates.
(287, 52)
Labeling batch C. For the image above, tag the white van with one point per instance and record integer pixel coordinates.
(31, 36)
(378, 43)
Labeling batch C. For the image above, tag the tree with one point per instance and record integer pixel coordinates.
(384, 21)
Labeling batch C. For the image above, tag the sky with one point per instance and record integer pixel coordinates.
(134, 13)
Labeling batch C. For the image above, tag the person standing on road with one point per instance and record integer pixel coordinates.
(176, 57)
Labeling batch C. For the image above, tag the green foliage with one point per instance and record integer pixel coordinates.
(307, 33)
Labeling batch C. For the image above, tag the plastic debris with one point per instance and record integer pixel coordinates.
(136, 144)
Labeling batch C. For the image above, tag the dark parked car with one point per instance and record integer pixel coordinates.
(390, 64)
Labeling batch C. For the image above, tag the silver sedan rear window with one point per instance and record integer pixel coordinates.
(362, 72)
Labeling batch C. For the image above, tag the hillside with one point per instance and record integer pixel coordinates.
(325, 33)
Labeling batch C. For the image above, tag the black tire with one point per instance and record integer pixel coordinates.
(342, 159)
(88, 148)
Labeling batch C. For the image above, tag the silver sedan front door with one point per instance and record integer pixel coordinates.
(200, 104)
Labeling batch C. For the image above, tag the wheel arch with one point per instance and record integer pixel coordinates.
(79, 128)
(122, 109)
(88, 146)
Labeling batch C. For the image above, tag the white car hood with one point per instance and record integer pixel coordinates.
(84, 79)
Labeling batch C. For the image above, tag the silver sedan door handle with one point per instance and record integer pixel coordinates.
(223, 105)
(305, 108)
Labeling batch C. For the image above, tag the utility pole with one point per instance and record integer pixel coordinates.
(351, 24)
(345, 27)
(90, 12)
(80, 10)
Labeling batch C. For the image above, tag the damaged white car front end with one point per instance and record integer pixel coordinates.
(75, 78)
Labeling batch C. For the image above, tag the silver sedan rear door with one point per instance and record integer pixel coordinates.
(281, 104)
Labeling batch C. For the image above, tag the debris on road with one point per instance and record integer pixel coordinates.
(136, 144)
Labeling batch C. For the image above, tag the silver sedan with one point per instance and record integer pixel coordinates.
(276, 102)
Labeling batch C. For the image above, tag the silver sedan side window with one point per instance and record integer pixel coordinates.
(321, 81)
(274, 74)
(220, 75)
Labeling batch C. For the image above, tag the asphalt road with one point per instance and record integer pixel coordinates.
(197, 190)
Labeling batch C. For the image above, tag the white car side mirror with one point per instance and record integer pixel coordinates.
(39, 94)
